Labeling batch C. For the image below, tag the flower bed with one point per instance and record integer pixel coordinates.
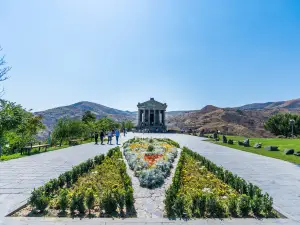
(150, 159)
(97, 187)
(202, 189)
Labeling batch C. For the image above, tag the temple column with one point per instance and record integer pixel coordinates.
(139, 118)
(149, 117)
(144, 116)
(154, 117)
(163, 118)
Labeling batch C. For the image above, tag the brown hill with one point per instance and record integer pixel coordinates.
(249, 123)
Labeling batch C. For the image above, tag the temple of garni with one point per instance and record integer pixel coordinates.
(151, 116)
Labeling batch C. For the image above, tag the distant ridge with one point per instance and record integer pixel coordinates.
(293, 104)
(76, 111)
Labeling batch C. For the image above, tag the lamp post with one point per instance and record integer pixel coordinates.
(292, 123)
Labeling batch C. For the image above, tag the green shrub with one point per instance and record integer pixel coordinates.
(75, 173)
(68, 175)
(61, 180)
(63, 200)
(214, 207)
(80, 203)
(129, 200)
(90, 200)
(233, 206)
(267, 204)
(39, 200)
(98, 159)
(109, 203)
(244, 205)
(112, 151)
(77, 203)
(73, 205)
(178, 207)
(256, 205)
(199, 205)
(150, 148)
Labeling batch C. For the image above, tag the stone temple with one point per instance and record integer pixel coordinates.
(151, 116)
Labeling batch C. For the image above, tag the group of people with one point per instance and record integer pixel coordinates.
(110, 134)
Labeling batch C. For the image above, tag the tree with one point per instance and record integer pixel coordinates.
(88, 116)
(67, 128)
(3, 69)
(279, 124)
(60, 130)
(10, 118)
(129, 124)
(106, 124)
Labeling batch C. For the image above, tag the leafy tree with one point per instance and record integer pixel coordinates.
(88, 116)
(67, 129)
(12, 117)
(106, 124)
(279, 124)
(129, 124)
(60, 130)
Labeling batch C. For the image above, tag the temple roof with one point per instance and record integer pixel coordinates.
(152, 104)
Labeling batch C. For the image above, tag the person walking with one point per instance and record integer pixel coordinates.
(109, 137)
(117, 136)
(96, 138)
(124, 130)
(102, 136)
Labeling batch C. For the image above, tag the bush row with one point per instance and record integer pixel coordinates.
(115, 191)
(181, 204)
(40, 197)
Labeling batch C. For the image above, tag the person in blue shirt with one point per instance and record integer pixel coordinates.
(117, 133)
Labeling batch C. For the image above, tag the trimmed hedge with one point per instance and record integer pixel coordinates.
(180, 203)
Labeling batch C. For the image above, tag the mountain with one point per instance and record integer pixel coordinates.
(249, 123)
(291, 105)
(247, 120)
(76, 110)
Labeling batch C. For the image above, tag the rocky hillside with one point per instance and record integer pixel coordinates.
(249, 123)
(76, 110)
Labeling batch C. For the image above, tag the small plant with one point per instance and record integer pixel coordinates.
(267, 204)
(68, 176)
(150, 148)
(109, 203)
(77, 203)
(63, 200)
(256, 205)
(244, 205)
(61, 180)
(39, 200)
(233, 206)
(90, 200)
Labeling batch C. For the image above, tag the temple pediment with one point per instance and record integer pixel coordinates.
(152, 104)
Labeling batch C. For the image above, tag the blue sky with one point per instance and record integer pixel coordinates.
(118, 53)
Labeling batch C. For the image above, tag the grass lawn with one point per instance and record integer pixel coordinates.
(36, 151)
(280, 142)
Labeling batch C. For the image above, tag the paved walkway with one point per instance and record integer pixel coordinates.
(280, 179)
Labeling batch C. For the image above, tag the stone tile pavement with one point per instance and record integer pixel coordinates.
(280, 179)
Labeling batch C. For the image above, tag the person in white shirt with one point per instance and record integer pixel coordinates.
(109, 137)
